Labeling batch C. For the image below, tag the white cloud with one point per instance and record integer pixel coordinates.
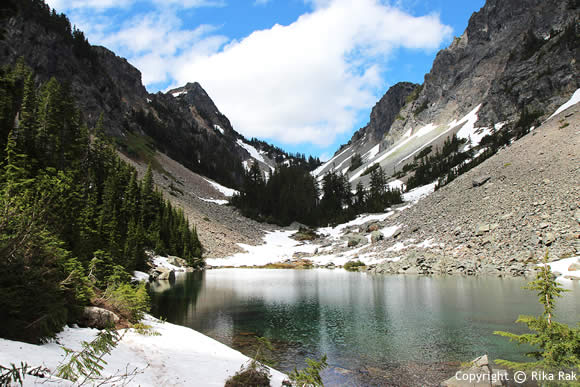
(261, 2)
(305, 82)
(99, 5)
(301, 83)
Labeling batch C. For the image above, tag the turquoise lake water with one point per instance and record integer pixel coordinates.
(375, 330)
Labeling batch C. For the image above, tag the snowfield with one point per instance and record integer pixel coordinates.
(229, 192)
(179, 356)
(280, 247)
(571, 102)
(561, 268)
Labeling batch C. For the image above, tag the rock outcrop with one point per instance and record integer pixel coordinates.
(99, 318)
(514, 56)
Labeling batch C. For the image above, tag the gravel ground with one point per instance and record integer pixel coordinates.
(220, 227)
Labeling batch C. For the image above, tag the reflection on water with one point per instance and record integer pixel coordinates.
(373, 328)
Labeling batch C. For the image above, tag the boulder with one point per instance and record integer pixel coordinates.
(167, 276)
(356, 240)
(574, 267)
(549, 238)
(99, 318)
(572, 277)
(176, 261)
(376, 236)
(480, 180)
(482, 229)
(373, 227)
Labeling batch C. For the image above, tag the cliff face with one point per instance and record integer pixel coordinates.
(514, 55)
(184, 123)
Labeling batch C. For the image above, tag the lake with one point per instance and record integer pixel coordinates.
(375, 330)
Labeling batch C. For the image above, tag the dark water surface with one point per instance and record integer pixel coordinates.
(375, 330)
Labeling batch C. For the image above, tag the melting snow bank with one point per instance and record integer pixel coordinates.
(277, 247)
(419, 193)
(566, 269)
(179, 356)
(571, 102)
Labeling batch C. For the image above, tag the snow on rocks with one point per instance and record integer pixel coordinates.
(567, 269)
(140, 276)
(229, 192)
(419, 193)
(178, 356)
(571, 102)
(251, 150)
(277, 247)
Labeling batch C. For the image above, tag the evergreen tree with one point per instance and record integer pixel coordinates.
(557, 345)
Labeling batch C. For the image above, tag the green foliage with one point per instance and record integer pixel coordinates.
(305, 234)
(128, 301)
(145, 330)
(414, 94)
(435, 165)
(525, 122)
(310, 376)
(370, 169)
(557, 346)
(353, 265)
(74, 219)
(355, 162)
(290, 194)
(13, 375)
(33, 304)
(421, 108)
(88, 363)
(255, 372)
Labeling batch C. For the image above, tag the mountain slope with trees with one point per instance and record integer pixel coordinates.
(75, 220)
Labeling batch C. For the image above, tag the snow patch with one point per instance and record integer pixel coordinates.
(419, 193)
(571, 102)
(179, 356)
(396, 184)
(140, 276)
(372, 153)
(251, 150)
(160, 261)
(178, 93)
(225, 190)
(216, 201)
(277, 247)
(319, 170)
(219, 129)
(562, 266)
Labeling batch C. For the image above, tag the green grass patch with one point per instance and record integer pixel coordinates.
(353, 265)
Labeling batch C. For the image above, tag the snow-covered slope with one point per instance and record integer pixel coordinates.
(178, 356)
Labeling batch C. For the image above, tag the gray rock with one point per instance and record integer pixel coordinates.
(376, 236)
(480, 180)
(167, 276)
(99, 318)
(549, 238)
(176, 261)
(356, 240)
(482, 228)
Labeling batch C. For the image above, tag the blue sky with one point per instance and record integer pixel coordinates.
(302, 74)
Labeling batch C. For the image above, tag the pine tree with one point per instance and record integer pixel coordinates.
(557, 345)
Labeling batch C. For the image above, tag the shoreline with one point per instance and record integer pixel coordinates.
(178, 356)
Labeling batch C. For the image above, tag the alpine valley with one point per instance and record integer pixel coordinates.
(473, 173)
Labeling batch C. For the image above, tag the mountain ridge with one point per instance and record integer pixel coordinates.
(109, 88)
(512, 57)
